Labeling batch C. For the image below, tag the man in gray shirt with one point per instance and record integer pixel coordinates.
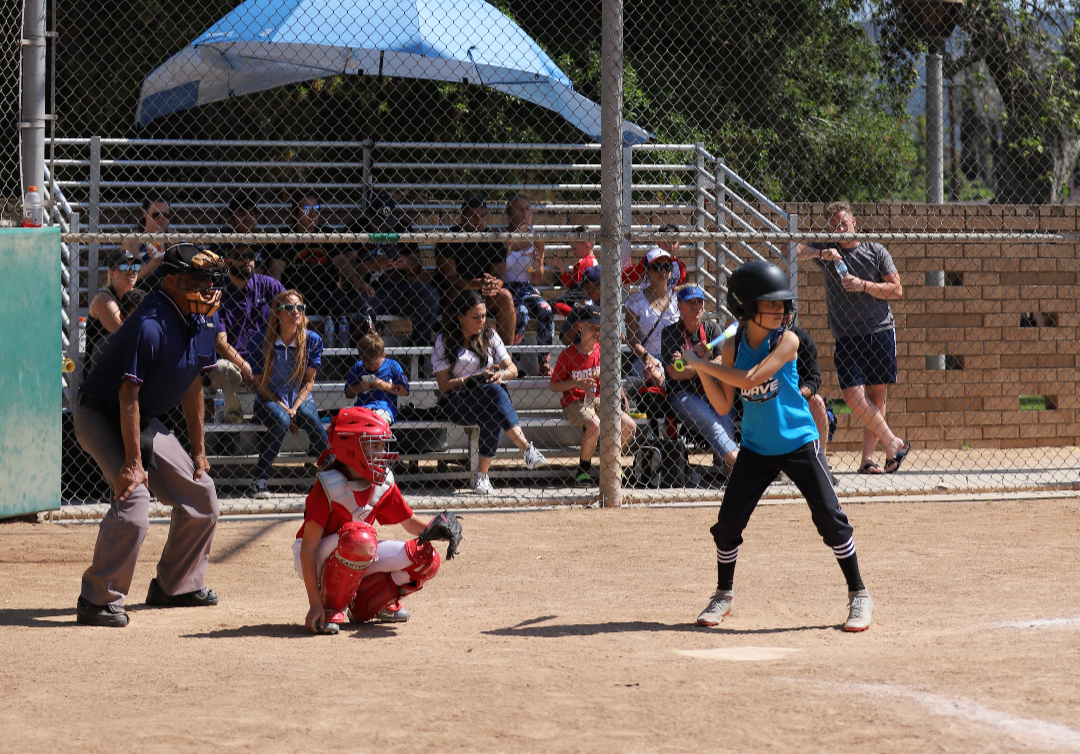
(862, 324)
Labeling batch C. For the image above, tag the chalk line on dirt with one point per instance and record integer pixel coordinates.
(739, 654)
(1025, 730)
(1073, 623)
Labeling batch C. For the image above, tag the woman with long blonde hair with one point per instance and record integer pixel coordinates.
(284, 361)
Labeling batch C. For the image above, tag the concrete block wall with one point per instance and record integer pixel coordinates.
(975, 318)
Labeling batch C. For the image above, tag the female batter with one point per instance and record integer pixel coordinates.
(778, 434)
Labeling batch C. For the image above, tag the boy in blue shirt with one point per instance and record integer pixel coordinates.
(376, 381)
(778, 434)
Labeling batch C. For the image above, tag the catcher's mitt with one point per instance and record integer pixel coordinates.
(444, 526)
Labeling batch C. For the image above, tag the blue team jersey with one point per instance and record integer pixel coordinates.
(776, 418)
(158, 348)
(389, 371)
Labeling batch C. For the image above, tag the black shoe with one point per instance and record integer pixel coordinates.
(89, 614)
(156, 597)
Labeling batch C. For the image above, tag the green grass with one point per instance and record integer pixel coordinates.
(839, 406)
(1032, 403)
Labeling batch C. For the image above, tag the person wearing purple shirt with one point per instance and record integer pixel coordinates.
(245, 310)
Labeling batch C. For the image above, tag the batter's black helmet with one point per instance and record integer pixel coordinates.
(757, 281)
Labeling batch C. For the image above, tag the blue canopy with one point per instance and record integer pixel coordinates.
(263, 44)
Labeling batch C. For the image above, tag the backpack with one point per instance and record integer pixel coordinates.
(660, 462)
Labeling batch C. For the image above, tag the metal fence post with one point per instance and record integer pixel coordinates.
(367, 178)
(699, 211)
(612, 237)
(32, 120)
(793, 256)
(94, 218)
(935, 175)
(719, 202)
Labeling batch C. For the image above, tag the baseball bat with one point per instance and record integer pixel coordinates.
(680, 364)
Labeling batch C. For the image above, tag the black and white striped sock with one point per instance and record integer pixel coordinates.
(849, 564)
(725, 567)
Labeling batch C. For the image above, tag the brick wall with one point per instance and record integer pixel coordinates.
(976, 318)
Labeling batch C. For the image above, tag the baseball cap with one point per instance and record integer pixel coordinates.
(668, 228)
(654, 254)
(691, 292)
(382, 209)
(589, 314)
(474, 202)
(592, 274)
(187, 257)
(119, 257)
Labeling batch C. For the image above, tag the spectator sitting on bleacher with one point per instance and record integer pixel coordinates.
(245, 311)
(376, 381)
(394, 271)
(154, 218)
(590, 287)
(471, 363)
(286, 359)
(107, 309)
(130, 303)
(648, 312)
(577, 376)
(243, 218)
(685, 392)
(472, 266)
(636, 273)
(315, 269)
(571, 278)
(522, 269)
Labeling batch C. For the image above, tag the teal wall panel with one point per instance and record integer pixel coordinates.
(30, 376)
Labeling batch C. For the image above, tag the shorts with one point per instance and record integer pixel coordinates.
(579, 413)
(866, 359)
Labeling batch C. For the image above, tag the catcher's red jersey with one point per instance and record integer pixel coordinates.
(383, 504)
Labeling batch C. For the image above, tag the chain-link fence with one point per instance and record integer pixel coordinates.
(306, 125)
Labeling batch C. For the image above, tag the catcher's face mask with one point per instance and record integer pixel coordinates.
(202, 283)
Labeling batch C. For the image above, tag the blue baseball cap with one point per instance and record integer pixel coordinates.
(592, 274)
(691, 292)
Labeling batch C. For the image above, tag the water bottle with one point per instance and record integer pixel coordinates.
(328, 332)
(345, 331)
(32, 212)
(219, 407)
(841, 268)
(590, 395)
(82, 334)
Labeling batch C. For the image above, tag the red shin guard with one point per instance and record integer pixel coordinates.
(346, 566)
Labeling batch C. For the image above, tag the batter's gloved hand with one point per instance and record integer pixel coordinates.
(444, 526)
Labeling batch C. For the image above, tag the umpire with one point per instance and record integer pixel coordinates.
(153, 362)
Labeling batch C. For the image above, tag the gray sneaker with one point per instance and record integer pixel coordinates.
(258, 490)
(860, 610)
(719, 607)
(533, 457)
(393, 613)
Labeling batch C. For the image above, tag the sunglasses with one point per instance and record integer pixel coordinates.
(159, 215)
(134, 267)
(290, 308)
(309, 208)
(659, 267)
(247, 256)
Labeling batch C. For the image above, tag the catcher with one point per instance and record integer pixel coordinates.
(344, 565)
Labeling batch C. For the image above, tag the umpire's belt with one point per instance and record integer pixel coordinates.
(111, 412)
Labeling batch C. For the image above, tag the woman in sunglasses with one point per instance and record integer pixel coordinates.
(284, 362)
(155, 218)
(107, 309)
(648, 312)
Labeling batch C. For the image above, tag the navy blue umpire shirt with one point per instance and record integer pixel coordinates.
(159, 349)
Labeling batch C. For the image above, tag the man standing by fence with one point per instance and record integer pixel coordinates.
(860, 280)
(154, 362)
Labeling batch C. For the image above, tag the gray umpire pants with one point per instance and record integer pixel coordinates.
(183, 563)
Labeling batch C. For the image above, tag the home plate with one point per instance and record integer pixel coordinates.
(739, 654)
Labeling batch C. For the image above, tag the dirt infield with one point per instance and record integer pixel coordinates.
(569, 630)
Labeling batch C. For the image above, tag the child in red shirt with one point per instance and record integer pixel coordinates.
(571, 278)
(336, 552)
(577, 376)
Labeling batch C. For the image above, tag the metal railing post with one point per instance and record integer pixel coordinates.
(719, 201)
(699, 211)
(366, 178)
(94, 218)
(32, 116)
(74, 252)
(613, 180)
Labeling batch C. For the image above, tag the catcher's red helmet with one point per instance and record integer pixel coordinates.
(358, 438)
